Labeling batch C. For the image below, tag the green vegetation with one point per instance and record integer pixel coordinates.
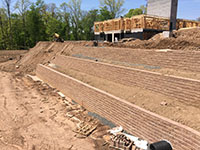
(113, 6)
(137, 11)
(30, 22)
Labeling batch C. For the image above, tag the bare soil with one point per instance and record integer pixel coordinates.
(152, 101)
(166, 61)
(6, 55)
(43, 52)
(172, 62)
(187, 39)
(33, 117)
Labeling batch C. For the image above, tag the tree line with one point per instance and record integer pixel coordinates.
(25, 23)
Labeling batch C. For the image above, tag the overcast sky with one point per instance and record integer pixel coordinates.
(188, 9)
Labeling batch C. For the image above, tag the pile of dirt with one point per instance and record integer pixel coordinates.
(185, 39)
(44, 52)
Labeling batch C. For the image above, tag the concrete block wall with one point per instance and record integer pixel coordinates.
(159, 8)
(183, 89)
(134, 119)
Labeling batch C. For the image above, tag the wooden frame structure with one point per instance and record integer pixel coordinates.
(141, 22)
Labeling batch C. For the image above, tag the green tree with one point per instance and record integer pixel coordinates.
(3, 29)
(114, 7)
(18, 32)
(88, 23)
(35, 24)
(144, 9)
(52, 9)
(7, 4)
(134, 12)
(105, 14)
(65, 31)
(54, 25)
(38, 21)
(22, 7)
(52, 20)
(75, 18)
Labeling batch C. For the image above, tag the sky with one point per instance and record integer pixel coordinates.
(187, 9)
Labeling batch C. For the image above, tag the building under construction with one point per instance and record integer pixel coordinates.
(143, 26)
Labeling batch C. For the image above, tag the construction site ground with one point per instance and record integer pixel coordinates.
(183, 39)
(149, 59)
(34, 115)
(6, 55)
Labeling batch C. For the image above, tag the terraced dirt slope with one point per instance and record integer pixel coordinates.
(180, 63)
(43, 52)
(175, 62)
(134, 119)
(185, 90)
(144, 88)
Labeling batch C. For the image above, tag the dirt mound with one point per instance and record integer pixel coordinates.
(185, 39)
(43, 52)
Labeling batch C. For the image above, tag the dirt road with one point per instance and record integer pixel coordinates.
(31, 120)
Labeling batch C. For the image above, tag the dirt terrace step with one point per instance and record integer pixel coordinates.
(134, 119)
(183, 89)
(180, 60)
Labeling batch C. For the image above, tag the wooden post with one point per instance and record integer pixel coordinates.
(144, 22)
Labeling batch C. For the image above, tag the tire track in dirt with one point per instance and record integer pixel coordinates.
(31, 121)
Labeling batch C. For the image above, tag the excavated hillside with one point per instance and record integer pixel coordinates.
(179, 63)
(43, 52)
(164, 81)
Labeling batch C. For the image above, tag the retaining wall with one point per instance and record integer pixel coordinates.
(134, 119)
(177, 60)
(183, 89)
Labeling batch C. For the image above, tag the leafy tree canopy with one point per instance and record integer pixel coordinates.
(136, 11)
(115, 7)
(25, 23)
